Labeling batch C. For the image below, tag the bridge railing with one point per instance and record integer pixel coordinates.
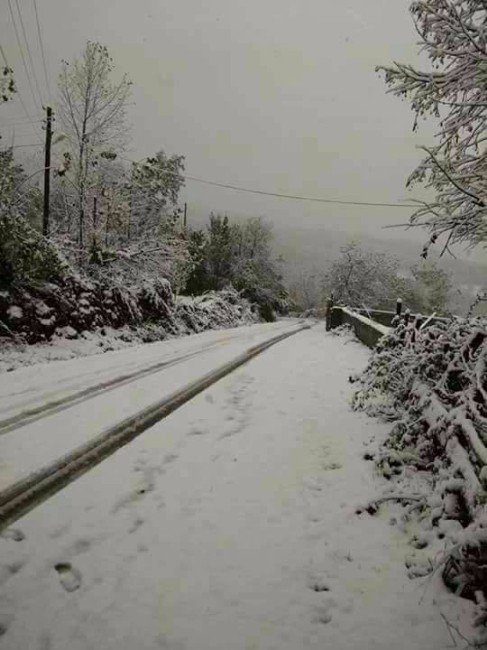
(366, 330)
(369, 325)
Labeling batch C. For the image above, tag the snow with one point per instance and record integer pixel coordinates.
(15, 312)
(216, 310)
(367, 321)
(25, 392)
(230, 525)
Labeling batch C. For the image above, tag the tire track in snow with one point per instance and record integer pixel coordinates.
(55, 406)
(24, 495)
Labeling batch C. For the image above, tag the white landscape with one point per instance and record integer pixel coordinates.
(243, 325)
(230, 524)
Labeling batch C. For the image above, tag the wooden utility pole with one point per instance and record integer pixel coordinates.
(129, 218)
(95, 220)
(107, 219)
(47, 171)
(185, 215)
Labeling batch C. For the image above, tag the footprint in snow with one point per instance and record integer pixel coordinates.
(319, 585)
(170, 458)
(140, 465)
(331, 466)
(81, 545)
(4, 624)
(197, 432)
(9, 570)
(127, 500)
(322, 613)
(13, 533)
(137, 523)
(69, 577)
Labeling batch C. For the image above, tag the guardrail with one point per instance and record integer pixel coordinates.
(371, 325)
(366, 330)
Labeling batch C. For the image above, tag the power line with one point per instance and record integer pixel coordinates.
(18, 146)
(298, 197)
(294, 197)
(17, 91)
(22, 53)
(19, 134)
(18, 131)
(26, 122)
(39, 34)
(4, 57)
(28, 51)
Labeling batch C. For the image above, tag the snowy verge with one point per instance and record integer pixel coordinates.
(216, 310)
(432, 383)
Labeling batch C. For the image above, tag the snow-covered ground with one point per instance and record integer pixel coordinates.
(143, 380)
(15, 355)
(230, 525)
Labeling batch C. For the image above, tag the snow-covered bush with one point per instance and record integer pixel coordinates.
(38, 311)
(432, 383)
(214, 310)
(24, 254)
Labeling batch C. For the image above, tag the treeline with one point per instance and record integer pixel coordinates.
(116, 222)
(237, 254)
(363, 278)
(112, 251)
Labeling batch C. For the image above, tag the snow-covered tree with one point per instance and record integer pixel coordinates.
(360, 277)
(306, 288)
(431, 288)
(453, 34)
(237, 254)
(92, 110)
(154, 189)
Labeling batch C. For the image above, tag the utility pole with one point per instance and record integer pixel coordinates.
(129, 218)
(47, 171)
(95, 220)
(108, 210)
(185, 215)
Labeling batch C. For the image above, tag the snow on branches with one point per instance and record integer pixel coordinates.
(432, 383)
(7, 84)
(453, 34)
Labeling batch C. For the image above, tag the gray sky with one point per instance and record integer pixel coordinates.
(276, 95)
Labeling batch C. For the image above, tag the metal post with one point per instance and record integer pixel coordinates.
(329, 307)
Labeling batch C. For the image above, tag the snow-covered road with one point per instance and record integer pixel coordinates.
(101, 391)
(230, 525)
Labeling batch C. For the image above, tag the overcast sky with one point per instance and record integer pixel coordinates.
(276, 95)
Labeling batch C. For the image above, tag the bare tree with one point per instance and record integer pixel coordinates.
(307, 288)
(454, 37)
(359, 277)
(92, 109)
